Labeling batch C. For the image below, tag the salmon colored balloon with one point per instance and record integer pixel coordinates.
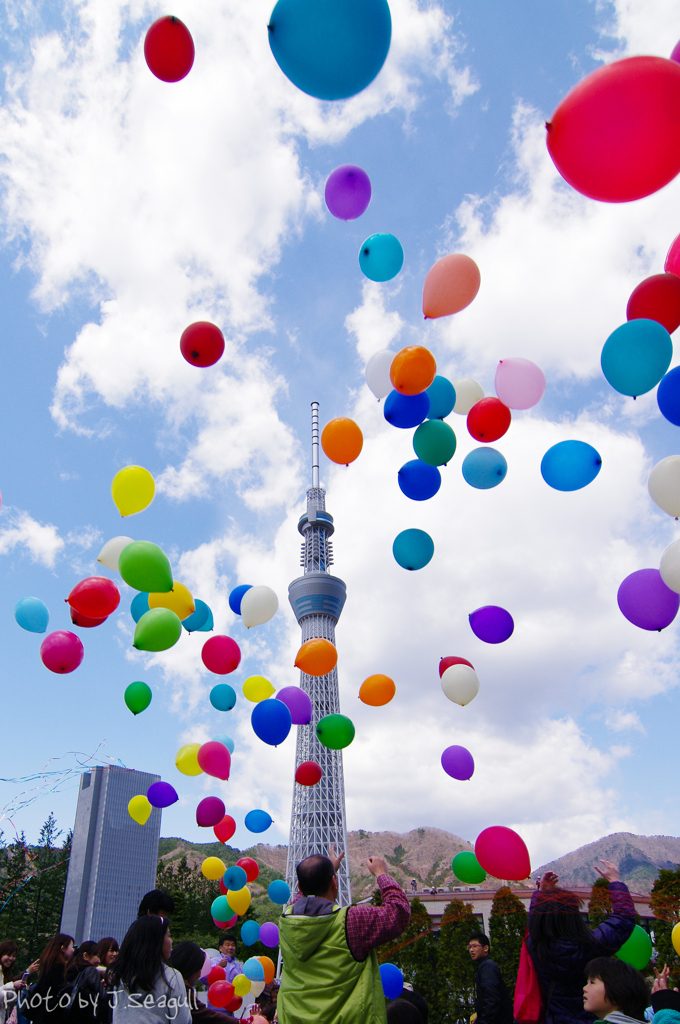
(448, 662)
(169, 49)
(342, 440)
(616, 136)
(225, 828)
(413, 370)
(221, 655)
(377, 690)
(308, 773)
(672, 262)
(488, 419)
(202, 343)
(656, 298)
(451, 285)
(316, 657)
(502, 853)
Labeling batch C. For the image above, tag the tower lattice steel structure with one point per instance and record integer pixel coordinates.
(318, 814)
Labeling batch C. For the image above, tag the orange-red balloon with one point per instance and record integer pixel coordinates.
(412, 370)
(269, 969)
(316, 657)
(377, 690)
(451, 285)
(342, 440)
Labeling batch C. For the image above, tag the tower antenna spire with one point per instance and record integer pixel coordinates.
(315, 444)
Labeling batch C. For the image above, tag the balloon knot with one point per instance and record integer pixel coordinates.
(548, 126)
(635, 398)
(270, 28)
(365, 252)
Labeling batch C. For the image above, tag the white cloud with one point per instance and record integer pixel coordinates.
(623, 721)
(41, 541)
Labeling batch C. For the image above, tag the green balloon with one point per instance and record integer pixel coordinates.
(138, 697)
(335, 731)
(434, 442)
(157, 630)
(466, 867)
(637, 949)
(144, 566)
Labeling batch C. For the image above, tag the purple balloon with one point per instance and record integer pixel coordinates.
(676, 53)
(161, 794)
(492, 624)
(210, 811)
(298, 703)
(348, 192)
(646, 601)
(269, 934)
(458, 763)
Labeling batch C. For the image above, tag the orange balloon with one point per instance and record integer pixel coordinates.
(316, 657)
(269, 969)
(342, 440)
(377, 690)
(412, 370)
(451, 285)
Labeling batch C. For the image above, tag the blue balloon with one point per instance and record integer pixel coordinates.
(636, 356)
(413, 549)
(234, 877)
(484, 468)
(226, 741)
(392, 980)
(406, 411)
(139, 606)
(208, 625)
(330, 49)
(223, 697)
(279, 891)
(257, 821)
(419, 481)
(236, 597)
(381, 257)
(271, 721)
(198, 617)
(250, 932)
(570, 465)
(668, 396)
(32, 614)
(442, 395)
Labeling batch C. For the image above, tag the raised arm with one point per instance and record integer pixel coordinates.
(367, 926)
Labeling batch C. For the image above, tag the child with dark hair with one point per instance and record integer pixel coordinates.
(402, 1012)
(615, 991)
(188, 958)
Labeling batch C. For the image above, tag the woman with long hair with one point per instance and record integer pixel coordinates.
(561, 944)
(54, 960)
(145, 989)
(8, 986)
(89, 1004)
(108, 951)
(188, 958)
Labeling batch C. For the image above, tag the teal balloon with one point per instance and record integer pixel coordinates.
(198, 617)
(234, 877)
(484, 468)
(223, 697)
(225, 741)
(157, 630)
(220, 909)
(381, 257)
(570, 465)
(413, 549)
(208, 625)
(139, 606)
(279, 891)
(250, 933)
(434, 442)
(32, 614)
(442, 396)
(637, 949)
(636, 356)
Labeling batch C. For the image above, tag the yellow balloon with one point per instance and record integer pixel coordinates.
(239, 900)
(178, 600)
(257, 688)
(186, 760)
(241, 985)
(132, 490)
(139, 809)
(675, 938)
(213, 868)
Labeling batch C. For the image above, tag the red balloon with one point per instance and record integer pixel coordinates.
(616, 136)
(169, 49)
(96, 597)
(672, 263)
(225, 828)
(445, 663)
(308, 773)
(221, 993)
(488, 419)
(61, 651)
(656, 298)
(84, 621)
(216, 974)
(234, 1005)
(223, 889)
(221, 655)
(250, 867)
(502, 853)
(202, 343)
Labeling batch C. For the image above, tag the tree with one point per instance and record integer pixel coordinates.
(456, 995)
(665, 904)
(600, 903)
(507, 925)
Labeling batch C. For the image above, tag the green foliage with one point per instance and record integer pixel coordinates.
(600, 903)
(507, 923)
(665, 903)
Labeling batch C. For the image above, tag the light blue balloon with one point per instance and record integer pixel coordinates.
(32, 614)
(250, 933)
(570, 465)
(279, 891)
(234, 877)
(198, 617)
(381, 257)
(484, 468)
(253, 969)
(442, 396)
(226, 740)
(208, 625)
(257, 821)
(413, 549)
(139, 606)
(636, 356)
(223, 697)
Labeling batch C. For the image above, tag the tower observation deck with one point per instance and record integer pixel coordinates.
(318, 814)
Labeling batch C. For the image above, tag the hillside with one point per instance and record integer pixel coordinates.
(639, 858)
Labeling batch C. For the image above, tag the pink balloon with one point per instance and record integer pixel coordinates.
(502, 853)
(214, 758)
(221, 655)
(520, 384)
(207, 966)
(672, 263)
(61, 651)
(210, 810)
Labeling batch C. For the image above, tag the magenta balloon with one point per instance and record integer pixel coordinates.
(675, 55)
(348, 192)
(61, 651)
(519, 383)
(458, 763)
(210, 811)
(214, 758)
(646, 601)
(502, 853)
(672, 262)
(298, 703)
(269, 934)
(161, 794)
(492, 624)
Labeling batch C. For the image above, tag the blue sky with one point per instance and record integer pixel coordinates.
(131, 208)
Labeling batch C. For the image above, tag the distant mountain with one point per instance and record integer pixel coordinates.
(639, 859)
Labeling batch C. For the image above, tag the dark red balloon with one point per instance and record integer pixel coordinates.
(488, 419)
(225, 828)
(96, 597)
(656, 298)
(616, 136)
(308, 773)
(250, 866)
(445, 663)
(169, 49)
(234, 1005)
(202, 343)
(84, 621)
(223, 890)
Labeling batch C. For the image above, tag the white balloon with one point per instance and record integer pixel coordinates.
(110, 553)
(670, 566)
(664, 485)
(378, 373)
(468, 392)
(258, 605)
(256, 988)
(460, 684)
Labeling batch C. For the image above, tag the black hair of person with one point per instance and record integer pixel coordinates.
(226, 937)
(402, 1012)
(315, 875)
(624, 987)
(187, 957)
(78, 960)
(420, 1003)
(481, 938)
(140, 961)
(556, 917)
(155, 901)
(53, 953)
(8, 948)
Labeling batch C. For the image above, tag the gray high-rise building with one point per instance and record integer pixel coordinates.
(113, 859)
